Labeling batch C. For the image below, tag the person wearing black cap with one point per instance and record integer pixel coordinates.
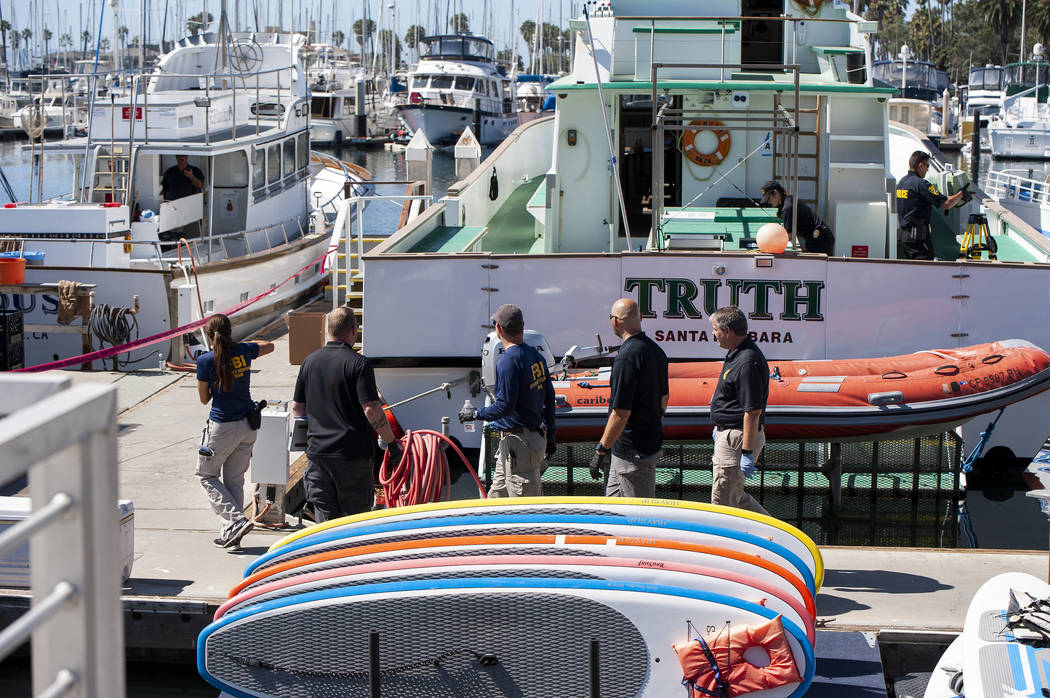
(813, 234)
(916, 198)
(522, 411)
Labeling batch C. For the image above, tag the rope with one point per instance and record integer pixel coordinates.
(422, 475)
(963, 515)
(113, 325)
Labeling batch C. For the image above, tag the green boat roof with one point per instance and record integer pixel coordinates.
(770, 83)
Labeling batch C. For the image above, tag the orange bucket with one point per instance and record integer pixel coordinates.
(12, 270)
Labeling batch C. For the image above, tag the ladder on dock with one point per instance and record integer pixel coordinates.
(347, 277)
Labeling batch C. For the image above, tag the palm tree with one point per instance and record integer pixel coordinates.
(1004, 16)
(338, 38)
(413, 36)
(459, 23)
(85, 39)
(47, 40)
(528, 32)
(198, 22)
(363, 32)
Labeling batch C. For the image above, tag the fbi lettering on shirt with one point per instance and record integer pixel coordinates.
(538, 375)
(240, 365)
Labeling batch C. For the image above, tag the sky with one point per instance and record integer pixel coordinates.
(66, 17)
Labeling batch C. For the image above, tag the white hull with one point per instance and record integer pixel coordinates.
(1031, 142)
(442, 124)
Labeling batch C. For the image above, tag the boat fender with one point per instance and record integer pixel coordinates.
(716, 664)
(493, 186)
(894, 397)
(695, 128)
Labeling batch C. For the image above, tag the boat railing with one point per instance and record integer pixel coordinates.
(1006, 185)
(243, 242)
(64, 438)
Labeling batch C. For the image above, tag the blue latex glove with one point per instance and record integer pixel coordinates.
(747, 464)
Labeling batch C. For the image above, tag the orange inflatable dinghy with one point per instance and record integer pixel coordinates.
(924, 392)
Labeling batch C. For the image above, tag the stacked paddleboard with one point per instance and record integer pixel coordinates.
(507, 596)
(996, 656)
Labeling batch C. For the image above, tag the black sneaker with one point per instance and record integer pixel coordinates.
(233, 537)
(219, 542)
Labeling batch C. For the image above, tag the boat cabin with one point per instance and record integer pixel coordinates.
(915, 79)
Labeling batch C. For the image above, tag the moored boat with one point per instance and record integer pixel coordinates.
(925, 392)
(253, 237)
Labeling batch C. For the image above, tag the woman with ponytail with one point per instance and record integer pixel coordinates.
(223, 377)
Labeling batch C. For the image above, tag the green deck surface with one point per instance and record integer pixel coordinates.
(946, 243)
(447, 238)
(513, 229)
(732, 223)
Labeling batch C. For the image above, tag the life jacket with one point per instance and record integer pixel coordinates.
(715, 666)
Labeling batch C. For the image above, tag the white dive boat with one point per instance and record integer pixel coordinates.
(457, 84)
(984, 98)
(543, 225)
(256, 223)
(1022, 129)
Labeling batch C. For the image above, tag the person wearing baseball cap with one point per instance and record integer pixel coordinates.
(522, 411)
(813, 234)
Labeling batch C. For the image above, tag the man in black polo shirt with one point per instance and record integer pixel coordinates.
(633, 438)
(916, 198)
(737, 408)
(336, 391)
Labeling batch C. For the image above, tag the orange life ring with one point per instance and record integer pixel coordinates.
(714, 158)
(810, 7)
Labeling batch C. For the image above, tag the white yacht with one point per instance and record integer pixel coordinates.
(457, 84)
(237, 107)
(921, 87)
(1022, 129)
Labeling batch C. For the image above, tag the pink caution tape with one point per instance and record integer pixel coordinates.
(160, 337)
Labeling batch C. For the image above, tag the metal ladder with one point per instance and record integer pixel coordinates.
(808, 183)
(112, 170)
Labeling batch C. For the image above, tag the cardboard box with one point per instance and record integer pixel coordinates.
(306, 334)
(14, 566)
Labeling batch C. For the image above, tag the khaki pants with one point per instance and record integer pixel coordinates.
(517, 472)
(634, 477)
(727, 488)
(231, 443)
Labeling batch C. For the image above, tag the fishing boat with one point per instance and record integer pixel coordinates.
(561, 221)
(457, 84)
(236, 106)
(929, 391)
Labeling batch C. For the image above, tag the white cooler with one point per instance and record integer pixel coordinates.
(14, 566)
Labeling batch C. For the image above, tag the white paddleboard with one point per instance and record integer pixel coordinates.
(947, 678)
(995, 663)
(508, 636)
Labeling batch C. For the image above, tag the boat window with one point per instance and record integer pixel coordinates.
(259, 168)
(303, 152)
(419, 82)
(230, 170)
(441, 82)
(465, 83)
(321, 107)
(273, 163)
(452, 47)
(289, 156)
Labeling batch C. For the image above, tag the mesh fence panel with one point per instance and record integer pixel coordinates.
(896, 493)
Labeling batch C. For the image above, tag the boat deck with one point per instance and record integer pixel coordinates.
(179, 578)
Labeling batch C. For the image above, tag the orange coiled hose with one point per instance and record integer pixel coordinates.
(423, 474)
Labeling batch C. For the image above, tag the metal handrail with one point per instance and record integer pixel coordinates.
(65, 437)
